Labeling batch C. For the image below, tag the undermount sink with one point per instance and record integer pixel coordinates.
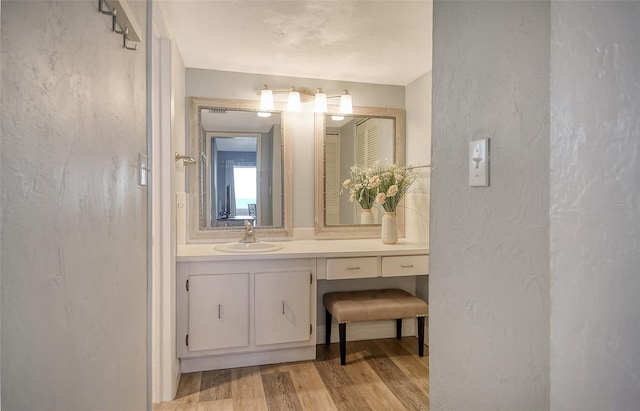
(258, 247)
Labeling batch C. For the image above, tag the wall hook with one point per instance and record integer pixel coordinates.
(106, 11)
(186, 160)
(124, 41)
(113, 27)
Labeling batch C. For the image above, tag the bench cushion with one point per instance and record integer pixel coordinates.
(373, 305)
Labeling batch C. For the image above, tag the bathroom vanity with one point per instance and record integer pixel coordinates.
(243, 309)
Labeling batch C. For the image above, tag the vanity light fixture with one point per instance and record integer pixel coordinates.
(266, 102)
(294, 100)
(296, 95)
(346, 106)
(320, 105)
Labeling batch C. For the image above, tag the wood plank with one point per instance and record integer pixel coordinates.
(411, 345)
(405, 359)
(188, 394)
(409, 364)
(412, 396)
(327, 352)
(344, 393)
(371, 387)
(218, 405)
(311, 391)
(280, 392)
(215, 385)
(247, 391)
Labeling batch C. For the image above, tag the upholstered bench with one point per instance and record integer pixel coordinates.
(373, 305)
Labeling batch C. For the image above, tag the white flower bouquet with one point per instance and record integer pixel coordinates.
(382, 183)
(359, 187)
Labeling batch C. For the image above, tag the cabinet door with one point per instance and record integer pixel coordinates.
(282, 307)
(218, 311)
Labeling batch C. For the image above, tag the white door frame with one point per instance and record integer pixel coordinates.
(165, 371)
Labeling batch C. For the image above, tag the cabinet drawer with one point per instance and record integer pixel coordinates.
(358, 267)
(405, 265)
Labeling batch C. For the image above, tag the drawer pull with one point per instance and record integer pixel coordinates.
(353, 268)
(283, 308)
(219, 315)
(406, 265)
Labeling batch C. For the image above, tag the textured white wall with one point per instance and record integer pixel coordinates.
(595, 206)
(73, 217)
(489, 273)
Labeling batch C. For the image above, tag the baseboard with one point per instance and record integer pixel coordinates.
(247, 359)
(369, 330)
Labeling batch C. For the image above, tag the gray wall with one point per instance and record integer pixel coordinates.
(73, 218)
(489, 272)
(595, 206)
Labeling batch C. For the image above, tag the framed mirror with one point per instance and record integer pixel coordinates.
(368, 135)
(242, 171)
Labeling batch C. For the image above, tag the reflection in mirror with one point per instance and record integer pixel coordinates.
(240, 174)
(240, 177)
(349, 141)
(367, 136)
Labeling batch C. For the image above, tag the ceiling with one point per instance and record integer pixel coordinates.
(380, 42)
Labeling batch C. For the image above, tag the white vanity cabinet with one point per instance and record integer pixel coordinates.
(241, 310)
(218, 311)
(237, 313)
(282, 309)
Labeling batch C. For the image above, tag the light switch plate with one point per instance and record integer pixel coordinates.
(479, 163)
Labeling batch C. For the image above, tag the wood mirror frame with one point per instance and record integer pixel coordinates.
(354, 231)
(195, 233)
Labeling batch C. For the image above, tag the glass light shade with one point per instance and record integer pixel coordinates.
(266, 99)
(294, 101)
(264, 114)
(346, 107)
(337, 118)
(320, 105)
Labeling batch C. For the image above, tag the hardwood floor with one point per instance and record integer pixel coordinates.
(383, 374)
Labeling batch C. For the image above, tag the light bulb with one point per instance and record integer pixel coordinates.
(266, 99)
(294, 100)
(320, 105)
(346, 106)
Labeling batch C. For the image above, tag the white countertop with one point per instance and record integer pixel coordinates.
(305, 249)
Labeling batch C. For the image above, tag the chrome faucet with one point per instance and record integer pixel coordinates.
(249, 236)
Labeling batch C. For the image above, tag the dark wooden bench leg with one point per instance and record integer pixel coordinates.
(342, 328)
(421, 336)
(399, 328)
(327, 338)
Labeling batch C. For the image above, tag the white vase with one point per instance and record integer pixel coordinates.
(389, 228)
(366, 217)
